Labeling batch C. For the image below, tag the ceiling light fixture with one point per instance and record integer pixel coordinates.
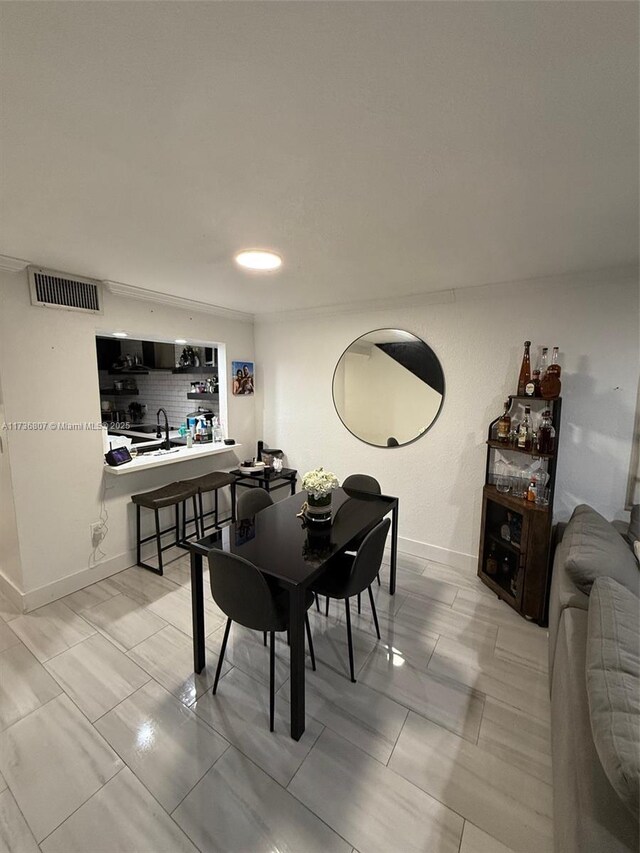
(120, 335)
(259, 260)
(180, 341)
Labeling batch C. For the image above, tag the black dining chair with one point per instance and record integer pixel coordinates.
(370, 486)
(241, 591)
(252, 501)
(349, 575)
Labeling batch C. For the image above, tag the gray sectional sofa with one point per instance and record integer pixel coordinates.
(594, 673)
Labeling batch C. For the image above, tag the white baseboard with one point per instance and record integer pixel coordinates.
(426, 551)
(10, 591)
(27, 601)
(72, 583)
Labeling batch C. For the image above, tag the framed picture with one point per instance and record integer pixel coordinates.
(242, 377)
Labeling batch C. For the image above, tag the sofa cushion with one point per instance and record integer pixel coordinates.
(613, 685)
(564, 593)
(594, 548)
(589, 817)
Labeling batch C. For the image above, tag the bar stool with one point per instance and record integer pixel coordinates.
(173, 495)
(211, 482)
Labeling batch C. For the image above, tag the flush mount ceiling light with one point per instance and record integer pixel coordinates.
(180, 341)
(258, 260)
(120, 335)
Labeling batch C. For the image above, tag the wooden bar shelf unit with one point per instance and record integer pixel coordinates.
(520, 571)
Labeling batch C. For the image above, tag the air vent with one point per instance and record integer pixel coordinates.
(60, 290)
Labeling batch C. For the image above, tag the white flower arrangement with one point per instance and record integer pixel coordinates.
(319, 483)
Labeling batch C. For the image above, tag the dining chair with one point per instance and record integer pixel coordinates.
(241, 591)
(370, 486)
(252, 501)
(349, 575)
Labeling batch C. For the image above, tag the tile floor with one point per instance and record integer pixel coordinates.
(110, 744)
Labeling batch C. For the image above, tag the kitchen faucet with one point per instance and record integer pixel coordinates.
(166, 444)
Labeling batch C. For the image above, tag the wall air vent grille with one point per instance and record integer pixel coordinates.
(60, 290)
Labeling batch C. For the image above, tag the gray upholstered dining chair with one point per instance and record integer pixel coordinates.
(241, 591)
(252, 501)
(350, 575)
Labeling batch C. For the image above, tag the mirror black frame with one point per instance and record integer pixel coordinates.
(333, 396)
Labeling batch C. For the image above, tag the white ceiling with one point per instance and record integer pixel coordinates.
(383, 148)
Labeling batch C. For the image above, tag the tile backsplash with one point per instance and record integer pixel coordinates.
(160, 388)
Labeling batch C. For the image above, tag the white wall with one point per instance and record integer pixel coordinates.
(49, 373)
(478, 337)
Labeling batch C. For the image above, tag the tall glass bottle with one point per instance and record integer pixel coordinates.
(525, 370)
(546, 434)
(544, 361)
(550, 385)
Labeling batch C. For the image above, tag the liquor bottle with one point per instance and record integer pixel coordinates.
(506, 566)
(525, 370)
(546, 434)
(532, 491)
(491, 567)
(525, 433)
(504, 424)
(532, 388)
(550, 386)
(544, 362)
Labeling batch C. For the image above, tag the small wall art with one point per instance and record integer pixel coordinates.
(242, 377)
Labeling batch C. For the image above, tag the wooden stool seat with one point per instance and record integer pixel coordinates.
(172, 495)
(211, 482)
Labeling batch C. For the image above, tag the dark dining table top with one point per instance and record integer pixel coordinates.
(291, 549)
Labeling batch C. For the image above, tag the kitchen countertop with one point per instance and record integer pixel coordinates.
(180, 454)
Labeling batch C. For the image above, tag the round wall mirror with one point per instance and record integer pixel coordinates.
(388, 387)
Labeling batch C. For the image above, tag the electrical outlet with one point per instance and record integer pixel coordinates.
(98, 533)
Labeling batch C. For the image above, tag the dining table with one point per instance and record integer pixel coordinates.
(293, 551)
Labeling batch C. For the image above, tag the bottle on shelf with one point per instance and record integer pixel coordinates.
(504, 424)
(532, 491)
(525, 370)
(546, 434)
(532, 388)
(550, 386)
(505, 566)
(544, 362)
(525, 431)
(491, 567)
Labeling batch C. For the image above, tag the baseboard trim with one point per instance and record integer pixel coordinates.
(72, 583)
(426, 551)
(35, 598)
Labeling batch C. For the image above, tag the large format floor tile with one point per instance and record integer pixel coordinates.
(237, 807)
(240, 712)
(7, 637)
(51, 629)
(503, 680)
(142, 585)
(15, 835)
(363, 716)
(91, 595)
(165, 744)
(122, 817)
(53, 761)
(330, 641)
(474, 840)
(435, 618)
(369, 805)
(96, 675)
(124, 621)
(423, 586)
(175, 608)
(442, 699)
(496, 796)
(245, 650)
(526, 648)
(517, 737)
(24, 685)
(168, 657)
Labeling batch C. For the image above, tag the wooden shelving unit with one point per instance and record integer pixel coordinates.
(523, 572)
(194, 395)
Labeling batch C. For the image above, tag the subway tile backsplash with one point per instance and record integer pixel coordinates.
(157, 389)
